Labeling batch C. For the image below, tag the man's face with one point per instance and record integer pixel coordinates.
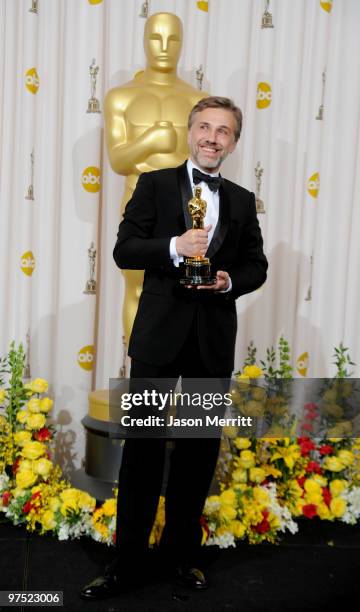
(211, 138)
(162, 41)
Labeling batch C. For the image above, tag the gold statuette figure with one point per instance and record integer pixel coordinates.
(197, 269)
(146, 124)
(30, 191)
(90, 287)
(266, 21)
(93, 102)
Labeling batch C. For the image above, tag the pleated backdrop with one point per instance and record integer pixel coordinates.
(298, 84)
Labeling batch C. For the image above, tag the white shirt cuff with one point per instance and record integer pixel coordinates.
(173, 252)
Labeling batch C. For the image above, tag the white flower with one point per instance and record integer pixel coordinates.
(4, 482)
(64, 532)
(224, 541)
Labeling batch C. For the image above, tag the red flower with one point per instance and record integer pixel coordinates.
(306, 445)
(15, 466)
(314, 466)
(309, 510)
(204, 525)
(301, 481)
(326, 449)
(36, 495)
(6, 498)
(27, 507)
(311, 407)
(307, 427)
(264, 526)
(326, 496)
(43, 434)
(311, 415)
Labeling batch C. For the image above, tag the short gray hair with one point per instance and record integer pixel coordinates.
(218, 102)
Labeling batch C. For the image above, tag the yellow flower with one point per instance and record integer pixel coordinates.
(2, 396)
(242, 443)
(337, 486)
(42, 467)
(320, 480)
(68, 506)
(311, 486)
(230, 431)
(54, 503)
(227, 513)
(70, 494)
(33, 450)
(289, 454)
(39, 385)
(46, 404)
(22, 416)
(261, 496)
(253, 408)
(109, 507)
(35, 421)
(338, 506)
(256, 474)
(294, 489)
(252, 371)
(21, 437)
(333, 464)
(34, 404)
(25, 478)
(237, 528)
(313, 498)
(239, 475)
(25, 464)
(270, 470)
(246, 459)
(333, 410)
(86, 502)
(323, 511)
(346, 457)
(258, 393)
(330, 395)
(48, 520)
(228, 498)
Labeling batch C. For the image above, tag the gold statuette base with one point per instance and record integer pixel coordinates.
(197, 272)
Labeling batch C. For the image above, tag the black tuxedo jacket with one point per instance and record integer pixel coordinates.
(156, 212)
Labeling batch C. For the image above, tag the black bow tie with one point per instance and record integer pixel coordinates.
(214, 182)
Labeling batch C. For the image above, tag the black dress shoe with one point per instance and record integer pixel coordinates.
(190, 577)
(102, 587)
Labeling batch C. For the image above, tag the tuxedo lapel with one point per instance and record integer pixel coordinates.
(223, 223)
(186, 193)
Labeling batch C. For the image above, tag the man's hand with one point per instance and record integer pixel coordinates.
(222, 282)
(193, 243)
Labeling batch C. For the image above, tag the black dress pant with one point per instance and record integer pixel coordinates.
(192, 465)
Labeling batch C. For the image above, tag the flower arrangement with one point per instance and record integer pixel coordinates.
(265, 483)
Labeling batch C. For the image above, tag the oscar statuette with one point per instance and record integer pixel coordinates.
(197, 269)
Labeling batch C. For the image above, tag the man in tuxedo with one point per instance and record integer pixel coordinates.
(181, 331)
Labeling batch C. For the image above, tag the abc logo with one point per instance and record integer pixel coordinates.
(263, 95)
(302, 364)
(91, 179)
(85, 357)
(32, 81)
(203, 6)
(313, 185)
(95, 1)
(27, 263)
(326, 5)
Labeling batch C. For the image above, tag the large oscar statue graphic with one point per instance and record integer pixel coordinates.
(146, 129)
(146, 124)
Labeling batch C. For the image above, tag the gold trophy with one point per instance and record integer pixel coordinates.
(93, 102)
(197, 269)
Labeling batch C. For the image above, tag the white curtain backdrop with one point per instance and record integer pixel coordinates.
(310, 184)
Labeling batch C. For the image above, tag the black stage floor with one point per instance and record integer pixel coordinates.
(316, 569)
